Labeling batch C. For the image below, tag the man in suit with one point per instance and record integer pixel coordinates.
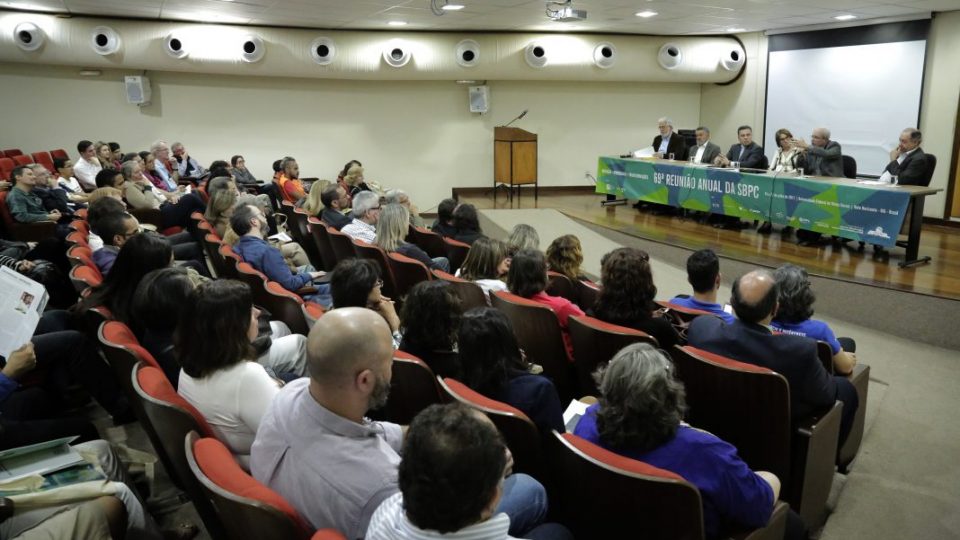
(705, 151)
(749, 339)
(668, 142)
(907, 161)
(747, 153)
(822, 157)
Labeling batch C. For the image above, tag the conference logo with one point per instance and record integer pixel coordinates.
(878, 232)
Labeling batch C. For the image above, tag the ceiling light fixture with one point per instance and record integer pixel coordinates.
(441, 7)
(565, 12)
(846, 17)
(397, 23)
(736, 29)
(646, 14)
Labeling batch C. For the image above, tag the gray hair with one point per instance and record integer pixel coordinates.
(392, 227)
(286, 161)
(395, 196)
(523, 236)
(176, 145)
(126, 168)
(704, 129)
(156, 146)
(915, 135)
(824, 131)
(666, 120)
(641, 403)
(794, 294)
(363, 202)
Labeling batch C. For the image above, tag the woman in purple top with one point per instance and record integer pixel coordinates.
(639, 416)
(796, 300)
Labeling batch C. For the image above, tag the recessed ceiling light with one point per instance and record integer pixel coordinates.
(646, 14)
(736, 29)
(397, 23)
(452, 7)
(845, 17)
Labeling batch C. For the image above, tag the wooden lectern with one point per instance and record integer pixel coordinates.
(514, 159)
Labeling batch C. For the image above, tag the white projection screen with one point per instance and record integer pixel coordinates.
(864, 94)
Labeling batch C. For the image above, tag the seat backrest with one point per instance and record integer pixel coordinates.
(931, 166)
(413, 388)
(539, 335)
(246, 508)
(587, 292)
(59, 153)
(519, 432)
(605, 495)
(594, 343)
(85, 276)
(12, 152)
(342, 245)
(849, 167)
(80, 256)
(285, 306)
(22, 160)
(429, 241)
(211, 246)
(123, 352)
(5, 210)
(378, 255)
(43, 158)
(76, 238)
(320, 239)
(406, 272)
(7, 165)
(682, 313)
(456, 252)
(231, 260)
(80, 225)
(560, 285)
(471, 295)
(723, 397)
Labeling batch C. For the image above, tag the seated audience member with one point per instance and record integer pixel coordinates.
(907, 161)
(220, 377)
(428, 321)
(366, 213)
(668, 142)
(522, 236)
(66, 180)
(628, 293)
(114, 229)
(341, 176)
(451, 480)
(354, 180)
(221, 180)
(148, 164)
(105, 155)
(527, 277)
(242, 176)
(175, 208)
(747, 153)
(639, 416)
(220, 208)
(392, 227)
(564, 256)
(822, 157)
(467, 223)
(357, 283)
(110, 177)
(705, 150)
(794, 312)
(163, 167)
(443, 225)
(289, 184)
(87, 166)
(312, 204)
(399, 196)
(105, 192)
(25, 206)
(133, 156)
(786, 159)
(492, 364)
(52, 196)
(99, 209)
(486, 265)
(335, 200)
(321, 420)
(703, 274)
(749, 339)
(249, 223)
(117, 153)
(187, 166)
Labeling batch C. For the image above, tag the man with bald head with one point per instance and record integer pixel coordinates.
(750, 339)
(822, 157)
(316, 448)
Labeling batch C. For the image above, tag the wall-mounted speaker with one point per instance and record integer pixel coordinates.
(175, 46)
(535, 54)
(323, 50)
(28, 36)
(253, 48)
(604, 55)
(396, 55)
(138, 89)
(468, 53)
(479, 99)
(732, 59)
(105, 40)
(670, 56)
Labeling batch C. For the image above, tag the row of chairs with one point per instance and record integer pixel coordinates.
(13, 158)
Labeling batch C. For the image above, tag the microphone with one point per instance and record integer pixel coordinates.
(524, 113)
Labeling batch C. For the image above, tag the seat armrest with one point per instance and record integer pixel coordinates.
(813, 454)
(308, 289)
(775, 528)
(6, 509)
(861, 381)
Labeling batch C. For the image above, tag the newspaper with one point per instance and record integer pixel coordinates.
(22, 300)
(36, 459)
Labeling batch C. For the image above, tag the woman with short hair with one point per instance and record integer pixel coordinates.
(467, 223)
(527, 277)
(429, 321)
(565, 255)
(486, 265)
(392, 229)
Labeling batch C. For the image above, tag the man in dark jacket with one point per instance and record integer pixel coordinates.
(907, 161)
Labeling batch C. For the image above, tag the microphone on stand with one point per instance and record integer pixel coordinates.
(524, 113)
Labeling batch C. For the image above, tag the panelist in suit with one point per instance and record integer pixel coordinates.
(748, 153)
(750, 339)
(668, 142)
(907, 161)
(705, 151)
(822, 157)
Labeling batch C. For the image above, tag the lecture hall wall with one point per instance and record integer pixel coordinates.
(418, 135)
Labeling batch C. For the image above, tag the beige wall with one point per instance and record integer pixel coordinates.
(416, 135)
(723, 108)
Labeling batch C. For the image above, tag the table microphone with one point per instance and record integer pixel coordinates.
(524, 113)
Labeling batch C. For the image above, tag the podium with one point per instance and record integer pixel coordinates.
(514, 160)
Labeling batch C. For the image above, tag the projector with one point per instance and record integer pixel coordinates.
(568, 14)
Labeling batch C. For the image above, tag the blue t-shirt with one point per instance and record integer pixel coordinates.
(810, 328)
(690, 302)
(730, 491)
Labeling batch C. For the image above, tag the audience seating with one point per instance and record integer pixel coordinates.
(24, 232)
(282, 304)
(123, 352)
(519, 432)
(321, 241)
(406, 273)
(471, 295)
(456, 253)
(560, 285)
(43, 158)
(230, 260)
(413, 388)
(85, 276)
(861, 381)
(429, 241)
(77, 238)
(80, 225)
(539, 335)
(80, 256)
(245, 507)
(594, 343)
(377, 254)
(12, 152)
(680, 313)
(341, 244)
(22, 160)
(587, 293)
(211, 246)
(849, 166)
(59, 153)
(600, 494)
(723, 397)
(300, 230)
(153, 217)
(7, 165)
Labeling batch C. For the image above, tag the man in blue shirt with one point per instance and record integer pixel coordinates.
(703, 273)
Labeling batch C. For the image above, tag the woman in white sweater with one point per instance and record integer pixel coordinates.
(220, 375)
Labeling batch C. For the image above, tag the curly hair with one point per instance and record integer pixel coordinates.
(483, 259)
(488, 348)
(641, 402)
(430, 316)
(528, 273)
(628, 290)
(212, 333)
(565, 256)
(794, 294)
